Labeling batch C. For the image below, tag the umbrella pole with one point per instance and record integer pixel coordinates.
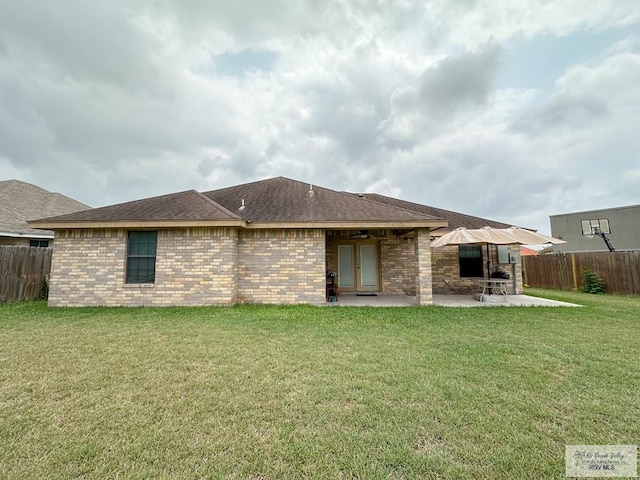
(488, 263)
(489, 267)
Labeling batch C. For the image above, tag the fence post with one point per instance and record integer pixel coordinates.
(574, 269)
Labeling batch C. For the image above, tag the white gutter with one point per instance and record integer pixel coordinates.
(26, 235)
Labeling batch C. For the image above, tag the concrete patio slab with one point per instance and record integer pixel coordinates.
(352, 300)
(510, 300)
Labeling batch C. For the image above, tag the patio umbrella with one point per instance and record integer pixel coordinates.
(496, 236)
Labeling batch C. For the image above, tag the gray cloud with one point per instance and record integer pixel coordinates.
(439, 97)
(563, 111)
(458, 81)
(23, 136)
(124, 100)
(78, 41)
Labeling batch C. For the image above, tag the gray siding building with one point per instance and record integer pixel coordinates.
(621, 225)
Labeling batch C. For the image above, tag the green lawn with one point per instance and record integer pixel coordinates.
(310, 392)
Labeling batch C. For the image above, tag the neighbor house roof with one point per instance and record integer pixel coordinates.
(274, 203)
(455, 219)
(21, 201)
(525, 252)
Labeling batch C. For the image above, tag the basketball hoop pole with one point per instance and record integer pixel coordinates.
(601, 234)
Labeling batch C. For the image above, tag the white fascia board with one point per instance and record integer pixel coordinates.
(26, 235)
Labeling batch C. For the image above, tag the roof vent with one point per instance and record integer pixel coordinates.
(242, 206)
(311, 192)
(361, 195)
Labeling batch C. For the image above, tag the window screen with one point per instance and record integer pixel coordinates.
(39, 243)
(141, 257)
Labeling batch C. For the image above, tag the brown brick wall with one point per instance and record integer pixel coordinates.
(424, 287)
(282, 266)
(398, 267)
(193, 267)
(217, 266)
(398, 263)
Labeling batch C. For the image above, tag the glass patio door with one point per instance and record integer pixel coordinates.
(358, 269)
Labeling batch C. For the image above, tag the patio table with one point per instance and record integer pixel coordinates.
(492, 286)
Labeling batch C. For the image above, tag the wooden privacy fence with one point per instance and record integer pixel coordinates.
(23, 273)
(563, 271)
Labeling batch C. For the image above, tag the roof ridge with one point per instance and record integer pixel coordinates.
(128, 202)
(216, 205)
(330, 190)
(431, 217)
(242, 185)
(186, 205)
(155, 197)
(453, 212)
(19, 183)
(418, 204)
(60, 197)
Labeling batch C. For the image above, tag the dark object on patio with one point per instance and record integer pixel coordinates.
(366, 294)
(332, 288)
(500, 274)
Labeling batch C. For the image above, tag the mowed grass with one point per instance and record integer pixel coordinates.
(311, 392)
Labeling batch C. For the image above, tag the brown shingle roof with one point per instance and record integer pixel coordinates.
(277, 201)
(282, 200)
(455, 219)
(273, 201)
(182, 206)
(21, 201)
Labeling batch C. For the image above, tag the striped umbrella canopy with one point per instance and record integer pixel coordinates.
(495, 236)
(527, 237)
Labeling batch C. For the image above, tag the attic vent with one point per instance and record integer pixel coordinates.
(242, 205)
(311, 192)
(361, 195)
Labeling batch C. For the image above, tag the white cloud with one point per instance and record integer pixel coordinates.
(474, 22)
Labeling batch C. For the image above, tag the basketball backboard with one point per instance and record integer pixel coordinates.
(593, 227)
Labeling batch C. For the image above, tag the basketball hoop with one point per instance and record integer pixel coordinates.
(599, 227)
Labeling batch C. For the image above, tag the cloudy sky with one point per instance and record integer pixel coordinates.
(508, 109)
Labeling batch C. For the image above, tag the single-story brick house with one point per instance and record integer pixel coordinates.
(271, 241)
